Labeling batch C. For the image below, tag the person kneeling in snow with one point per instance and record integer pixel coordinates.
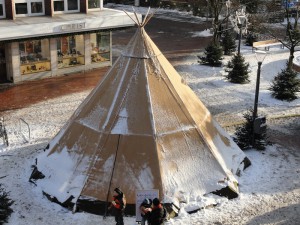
(118, 206)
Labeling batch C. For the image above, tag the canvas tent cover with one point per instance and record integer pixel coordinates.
(140, 128)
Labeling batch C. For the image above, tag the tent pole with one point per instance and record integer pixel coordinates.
(112, 173)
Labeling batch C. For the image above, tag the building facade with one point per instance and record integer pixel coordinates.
(46, 38)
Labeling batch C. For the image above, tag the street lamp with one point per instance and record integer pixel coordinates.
(240, 22)
(207, 10)
(228, 4)
(260, 57)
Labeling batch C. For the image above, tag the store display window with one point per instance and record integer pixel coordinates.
(100, 44)
(70, 51)
(34, 56)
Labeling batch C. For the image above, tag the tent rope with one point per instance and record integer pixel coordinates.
(95, 152)
(105, 139)
(112, 174)
(114, 120)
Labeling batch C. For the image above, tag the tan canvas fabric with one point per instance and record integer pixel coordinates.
(141, 128)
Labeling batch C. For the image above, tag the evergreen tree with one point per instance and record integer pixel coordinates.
(238, 70)
(214, 53)
(285, 85)
(244, 135)
(228, 43)
(5, 206)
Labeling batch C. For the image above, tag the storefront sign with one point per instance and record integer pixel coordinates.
(74, 26)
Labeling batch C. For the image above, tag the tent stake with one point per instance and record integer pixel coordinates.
(74, 208)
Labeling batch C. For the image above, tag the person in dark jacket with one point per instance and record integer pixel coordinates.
(158, 213)
(146, 209)
(118, 205)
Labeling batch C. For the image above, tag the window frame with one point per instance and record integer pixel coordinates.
(29, 13)
(66, 7)
(3, 8)
(69, 48)
(32, 57)
(94, 9)
(98, 50)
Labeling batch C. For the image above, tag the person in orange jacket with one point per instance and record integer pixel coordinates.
(118, 205)
(158, 214)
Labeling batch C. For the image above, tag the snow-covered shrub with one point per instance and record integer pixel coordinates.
(237, 70)
(244, 135)
(228, 43)
(285, 85)
(213, 55)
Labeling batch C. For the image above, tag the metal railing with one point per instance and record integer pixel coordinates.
(22, 121)
(3, 133)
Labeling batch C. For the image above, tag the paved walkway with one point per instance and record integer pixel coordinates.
(25, 94)
(171, 38)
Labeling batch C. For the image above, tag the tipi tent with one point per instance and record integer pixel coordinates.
(140, 128)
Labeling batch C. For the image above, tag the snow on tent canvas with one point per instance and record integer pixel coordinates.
(140, 128)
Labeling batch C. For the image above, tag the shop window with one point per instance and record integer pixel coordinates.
(70, 51)
(2, 9)
(29, 7)
(94, 4)
(34, 56)
(66, 6)
(100, 44)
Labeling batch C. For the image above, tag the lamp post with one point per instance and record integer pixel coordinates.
(260, 56)
(228, 4)
(241, 18)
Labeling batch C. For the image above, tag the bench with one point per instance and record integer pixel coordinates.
(266, 44)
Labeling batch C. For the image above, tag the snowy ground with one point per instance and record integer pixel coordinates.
(269, 189)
